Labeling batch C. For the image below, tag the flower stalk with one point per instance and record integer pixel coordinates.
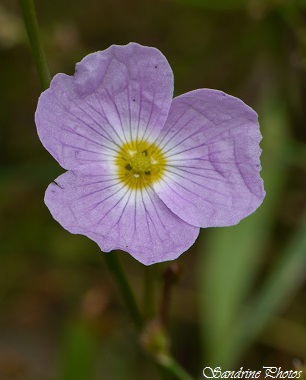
(116, 269)
(175, 369)
(31, 24)
(154, 339)
(155, 342)
(149, 296)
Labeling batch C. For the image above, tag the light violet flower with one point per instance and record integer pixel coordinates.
(146, 171)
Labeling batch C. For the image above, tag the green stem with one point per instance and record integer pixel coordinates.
(166, 366)
(31, 24)
(148, 296)
(115, 267)
(175, 369)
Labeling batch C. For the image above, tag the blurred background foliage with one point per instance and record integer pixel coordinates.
(241, 298)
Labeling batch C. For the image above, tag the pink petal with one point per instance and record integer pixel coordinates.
(115, 95)
(211, 144)
(118, 218)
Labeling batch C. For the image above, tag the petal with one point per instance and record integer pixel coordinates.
(118, 218)
(211, 144)
(115, 95)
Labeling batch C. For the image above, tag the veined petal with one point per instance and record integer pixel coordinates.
(117, 217)
(115, 96)
(211, 145)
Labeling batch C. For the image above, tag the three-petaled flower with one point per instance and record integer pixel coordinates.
(146, 171)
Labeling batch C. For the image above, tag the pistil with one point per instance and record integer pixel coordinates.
(140, 162)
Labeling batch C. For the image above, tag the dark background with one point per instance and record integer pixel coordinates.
(241, 298)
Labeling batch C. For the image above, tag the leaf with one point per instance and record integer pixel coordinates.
(77, 359)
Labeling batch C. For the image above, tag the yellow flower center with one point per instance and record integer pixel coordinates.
(139, 164)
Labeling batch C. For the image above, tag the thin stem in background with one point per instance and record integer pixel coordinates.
(168, 363)
(172, 366)
(171, 276)
(31, 24)
(115, 267)
(148, 294)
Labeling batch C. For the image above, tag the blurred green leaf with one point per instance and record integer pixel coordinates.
(78, 358)
(287, 276)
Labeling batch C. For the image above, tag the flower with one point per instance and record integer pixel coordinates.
(145, 171)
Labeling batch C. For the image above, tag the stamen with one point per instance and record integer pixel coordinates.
(140, 164)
